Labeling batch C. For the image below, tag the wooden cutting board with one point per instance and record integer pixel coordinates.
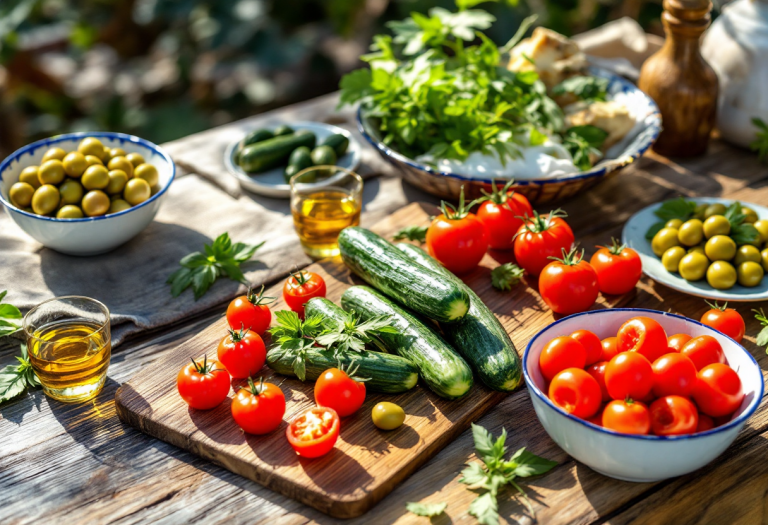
(366, 463)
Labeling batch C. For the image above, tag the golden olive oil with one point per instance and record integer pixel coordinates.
(319, 218)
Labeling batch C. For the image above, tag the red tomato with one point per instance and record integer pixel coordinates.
(597, 371)
(722, 420)
(258, 409)
(561, 353)
(540, 238)
(250, 312)
(592, 343)
(203, 385)
(618, 268)
(677, 342)
(457, 238)
(718, 391)
(627, 417)
(242, 353)
(673, 415)
(703, 350)
(576, 392)
(314, 432)
(725, 320)
(673, 374)
(629, 374)
(300, 287)
(569, 285)
(643, 335)
(335, 389)
(597, 419)
(610, 348)
(502, 215)
(705, 423)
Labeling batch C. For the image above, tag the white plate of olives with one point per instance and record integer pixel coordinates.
(704, 254)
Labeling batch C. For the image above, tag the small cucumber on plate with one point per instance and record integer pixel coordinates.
(257, 135)
(273, 152)
(282, 130)
(338, 142)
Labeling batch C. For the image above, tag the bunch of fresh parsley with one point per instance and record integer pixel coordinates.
(582, 142)
(588, 88)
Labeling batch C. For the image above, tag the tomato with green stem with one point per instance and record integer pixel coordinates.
(673, 415)
(627, 416)
(725, 320)
(203, 385)
(569, 285)
(250, 311)
(540, 238)
(258, 409)
(576, 392)
(457, 238)
(313, 433)
(502, 213)
(242, 353)
(300, 287)
(561, 353)
(618, 268)
(643, 335)
(718, 391)
(338, 389)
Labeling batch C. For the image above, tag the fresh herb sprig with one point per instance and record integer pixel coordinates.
(741, 232)
(15, 379)
(760, 144)
(201, 269)
(593, 89)
(582, 142)
(679, 208)
(762, 337)
(505, 276)
(427, 510)
(412, 233)
(297, 336)
(351, 335)
(9, 317)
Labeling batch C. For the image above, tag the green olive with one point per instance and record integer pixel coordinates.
(74, 164)
(720, 248)
(746, 253)
(71, 191)
(716, 225)
(106, 154)
(53, 154)
(147, 172)
(693, 266)
(51, 172)
(95, 178)
(698, 249)
(69, 212)
(46, 199)
(750, 215)
(761, 225)
(700, 211)
(117, 180)
(118, 205)
(136, 191)
(672, 257)
(721, 275)
(121, 163)
(664, 240)
(691, 233)
(95, 203)
(674, 223)
(764, 259)
(387, 416)
(117, 152)
(21, 194)
(93, 161)
(750, 274)
(29, 175)
(135, 159)
(91, 146)
(715, 209)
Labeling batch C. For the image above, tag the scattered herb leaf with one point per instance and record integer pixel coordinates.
(760, 144)
(582, 142)
(15, 379)
(762, 337)
(505, 276)
(412, 233)
(428, 510)
(9, 317)
(584, 87)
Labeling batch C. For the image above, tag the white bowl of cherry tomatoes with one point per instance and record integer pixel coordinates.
(640, 395)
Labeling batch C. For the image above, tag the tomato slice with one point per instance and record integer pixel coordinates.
(314, 433)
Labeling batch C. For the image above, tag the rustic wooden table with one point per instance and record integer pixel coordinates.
(79, 463)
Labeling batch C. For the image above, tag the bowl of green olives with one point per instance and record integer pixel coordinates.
(707, 247)
(85, 193)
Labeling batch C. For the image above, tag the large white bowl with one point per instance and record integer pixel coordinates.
(628, 457)
(89, 235)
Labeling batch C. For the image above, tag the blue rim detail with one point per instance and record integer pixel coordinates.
(538, 393)
(122, 137)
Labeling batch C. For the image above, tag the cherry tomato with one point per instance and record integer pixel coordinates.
(314, 433)
(677, 342)
(300, 287)
(618, 268)
(629, 374)
(592, 343)
(718, 391)
(673, 415)
(457, 238)
(725, 320)
(502, 215)
(705, 423)
(703, 350)
(597, 419)
(540, 238)
(627, 417)
(610, 348)
(643, 335)
(561, 353)
(569, 285)
(673, 374)
(576, 392)
(242, 353)
(258, 409)
(335, 389)
(203, 384)
(597, 371)
(250, 312)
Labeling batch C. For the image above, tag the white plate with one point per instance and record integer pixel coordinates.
(634, 237)
(272, 183)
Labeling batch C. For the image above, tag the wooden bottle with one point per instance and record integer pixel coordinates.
(681, 82)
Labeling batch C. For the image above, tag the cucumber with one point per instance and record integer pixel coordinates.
(301, 158)
(338, 142)
(257, 135)
(441, 368)
(273, 152)
(289, 172)
(478, 336)
(386, 268)
(282, 130)
(324, 156)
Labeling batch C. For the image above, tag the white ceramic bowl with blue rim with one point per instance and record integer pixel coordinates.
(89, 235)
(633, 236)
(630, 457)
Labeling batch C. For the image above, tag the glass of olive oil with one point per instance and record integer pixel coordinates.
(324, 201)
(68, 340)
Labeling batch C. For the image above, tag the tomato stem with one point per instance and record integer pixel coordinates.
(538, 223)
(299, 277)
(616, 247)
(498, 196)
(259, 298)
(455, 213)
(716, 306)
(205, 368)
(253, 388)
(238, 336)
(570, 258)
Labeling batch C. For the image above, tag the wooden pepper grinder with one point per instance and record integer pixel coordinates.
(681, 82)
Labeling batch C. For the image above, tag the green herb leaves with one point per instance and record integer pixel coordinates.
(679, 208)
(762, 337)
(297, 336)
(428, 510)
(594, 89)
(15, 379)
(200, 270)
(505, 276)
(741, 232)
(412, 233)
(351, 335)
(9, 317)
(582, 142)
(760, 144)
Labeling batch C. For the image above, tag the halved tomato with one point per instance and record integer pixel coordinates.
(314, 433)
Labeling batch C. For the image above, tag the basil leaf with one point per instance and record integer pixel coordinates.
(427, 510)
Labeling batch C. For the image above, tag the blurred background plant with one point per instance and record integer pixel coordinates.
(164, 69)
